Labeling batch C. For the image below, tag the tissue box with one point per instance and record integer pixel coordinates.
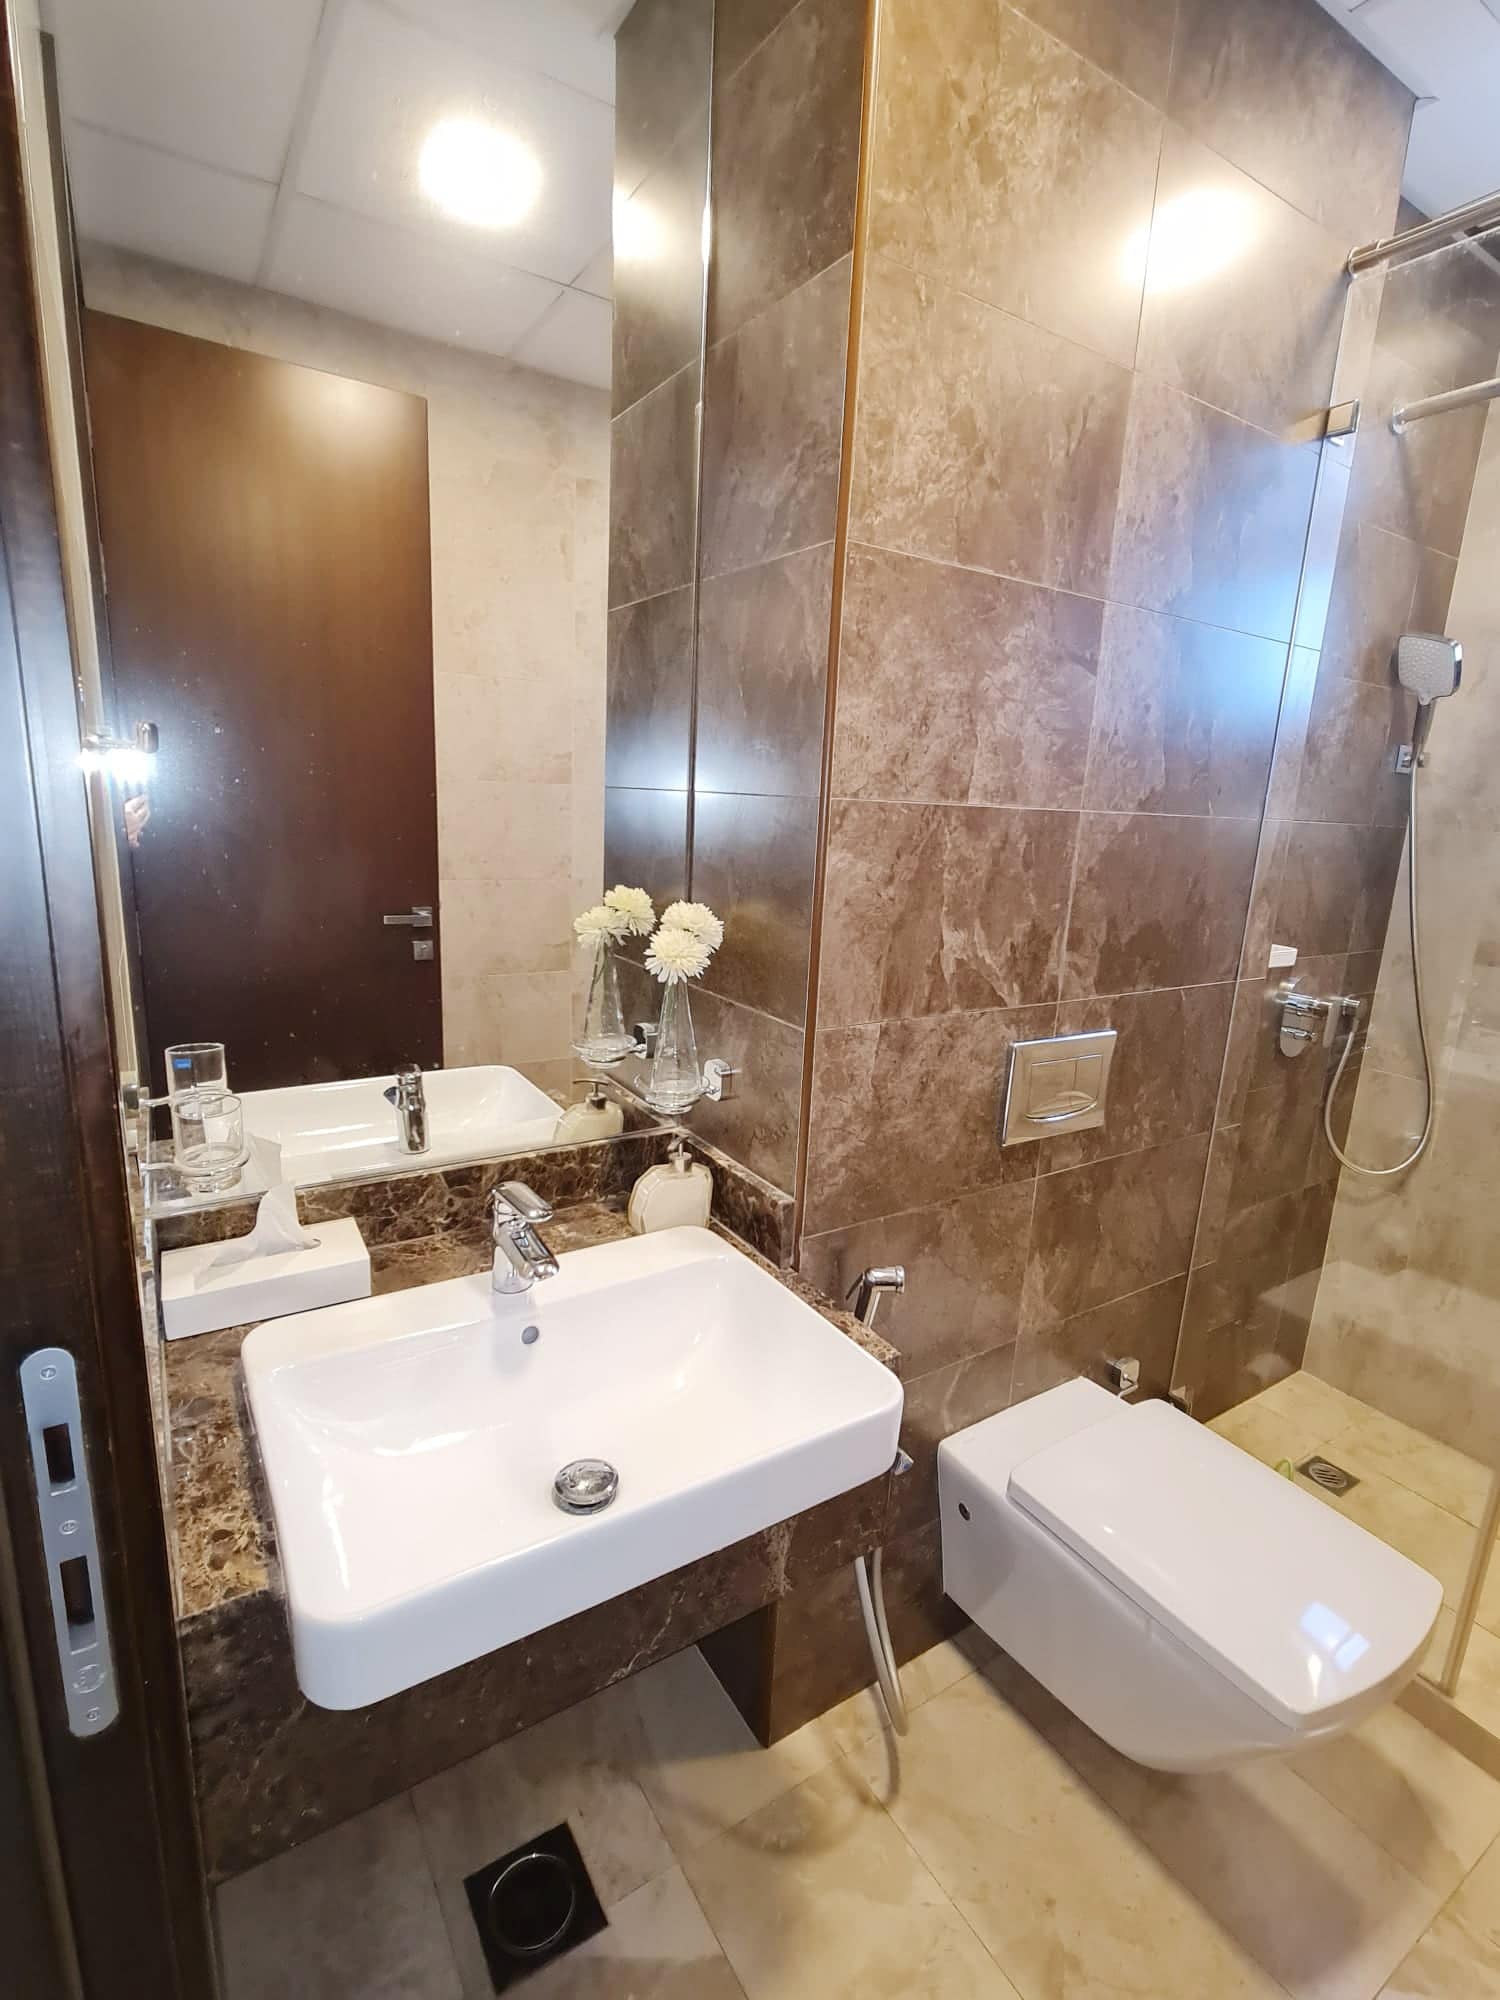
(292, 1281)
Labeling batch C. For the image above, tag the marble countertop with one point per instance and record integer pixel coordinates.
(221, 1516)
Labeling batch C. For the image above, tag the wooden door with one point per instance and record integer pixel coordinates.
(268, 578)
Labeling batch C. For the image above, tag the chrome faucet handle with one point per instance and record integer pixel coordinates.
(522, 1201)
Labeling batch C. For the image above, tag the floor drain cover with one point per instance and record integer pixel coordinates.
(1323, 1472)
(532, 1905)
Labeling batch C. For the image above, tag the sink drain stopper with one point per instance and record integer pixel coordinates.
(585, 1486)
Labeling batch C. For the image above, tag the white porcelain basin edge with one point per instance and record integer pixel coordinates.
(409, 1443)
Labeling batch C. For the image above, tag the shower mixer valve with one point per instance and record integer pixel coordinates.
(1312, 1017)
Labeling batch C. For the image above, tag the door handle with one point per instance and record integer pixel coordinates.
(418, 918)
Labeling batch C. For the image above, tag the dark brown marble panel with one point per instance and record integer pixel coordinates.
(1252, 324)
(645, 841)
(983, 440)
(1240, 1284)
(650, 693)
(1348, 765)
(663, 55)
(1143, 1326)
(1011, 169)
(773, 427)
(961, 687)
(1380, 849)
(1105, 1231)
(1232, 1362)
(1132, 39)
(747, 1207)
(758, 1125)
(658, 269)
(910, 1109)
(740, 26)
(762, 676)
(1370, 603)
(1185, 717)
(1316, 887)
(1157, 902)
(1291, 732)
(786, 153)
(753, 862)
(1275, 1136)
(653, 491)
(931, 908)
(1281, 89)
(1213, 515)
(1165, 1078)
(964, 1263)
(946, 1400)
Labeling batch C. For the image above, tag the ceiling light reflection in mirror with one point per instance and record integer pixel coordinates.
(1191, 238)
(478, 174)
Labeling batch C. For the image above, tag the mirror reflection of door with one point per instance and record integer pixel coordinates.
(268, 574)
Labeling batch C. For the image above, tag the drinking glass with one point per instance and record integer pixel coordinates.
(193, 1066)
(208, 1139)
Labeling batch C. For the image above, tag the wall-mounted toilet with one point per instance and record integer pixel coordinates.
(1190, 1605)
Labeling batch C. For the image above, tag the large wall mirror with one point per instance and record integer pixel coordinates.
(360, 286)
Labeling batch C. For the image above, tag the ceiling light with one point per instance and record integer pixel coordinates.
(1192, 237)
(478, 173)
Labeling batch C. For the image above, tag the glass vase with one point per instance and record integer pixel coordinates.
(675, 1081)
(604, 1039)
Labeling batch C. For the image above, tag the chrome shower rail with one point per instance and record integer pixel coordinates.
(1437, 406)
(1425, 235)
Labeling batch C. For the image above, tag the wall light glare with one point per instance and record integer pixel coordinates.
(1190, 238)
(478, 174)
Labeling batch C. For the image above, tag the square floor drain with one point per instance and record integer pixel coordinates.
(1332, 1478)
(532, 1905)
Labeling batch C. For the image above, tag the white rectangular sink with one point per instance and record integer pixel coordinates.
(410, 1444)
(327, 1131)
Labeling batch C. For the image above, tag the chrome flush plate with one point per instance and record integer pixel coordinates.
(1056, 1085)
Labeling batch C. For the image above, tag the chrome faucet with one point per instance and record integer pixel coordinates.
(410, 1100)
(521, 1257)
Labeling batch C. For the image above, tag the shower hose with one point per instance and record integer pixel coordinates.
(1355, 1166)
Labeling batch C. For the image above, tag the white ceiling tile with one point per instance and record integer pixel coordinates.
(140, 199)
(571, 41)
(598, 274)
(388, 83)
(571, 339)
(216, 80)
(398, 278)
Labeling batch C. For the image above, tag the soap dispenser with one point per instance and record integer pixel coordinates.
(597, 1117)
(677, 1194)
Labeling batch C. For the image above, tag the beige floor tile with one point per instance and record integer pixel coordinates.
(818, 1895)
(849, 1725)
(1266, 1434)
(1067, 1899)
(1459, 1958)
(1479, 1683)
(1311, 1403)
(658, 1947)
(1423, 1801)
(1440, 1542)
(1489, 1595)
(577, 1767)
(351, 1915)
(1449, 1479)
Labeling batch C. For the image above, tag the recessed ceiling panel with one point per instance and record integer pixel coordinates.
(139, 199)
(389, 83)
(399, 278)
(555, 38)
(216, 80)
(572, 340)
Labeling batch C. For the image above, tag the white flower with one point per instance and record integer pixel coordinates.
(634, 905)
(600, 924)
(696, 918)
(675, 953)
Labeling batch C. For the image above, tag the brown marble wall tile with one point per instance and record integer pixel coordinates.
(1279, 88)
(1164, 1081)
(740, 26)
(1291, 732)
(1441, 312)
(645, 841)
(658, 268)
(653, 491)
(937, 1404)
(758, 1125)
(961, 687)
(1011, 169)
(929, 908)
(1415, 484)
(1105, 1231)
(649, 699)
(911, 1109)
(762, 676)
(773, 427)
(662, 76)
(1348, 765)
(1240, 1285)
(1213, 515)
(1144, 1326)
(1312, 889)
(786, 152)
(1185, 718)
(753, 860)
(964, 1263)
(1157, 901)
(1132, 39)
(1256, 330)
(984, 440)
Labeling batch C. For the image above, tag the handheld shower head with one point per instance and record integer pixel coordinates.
(1431, 667)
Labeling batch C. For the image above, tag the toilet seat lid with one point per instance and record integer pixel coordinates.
(1302, 1609)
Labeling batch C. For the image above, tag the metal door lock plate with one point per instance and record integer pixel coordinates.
(1057, 1084)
